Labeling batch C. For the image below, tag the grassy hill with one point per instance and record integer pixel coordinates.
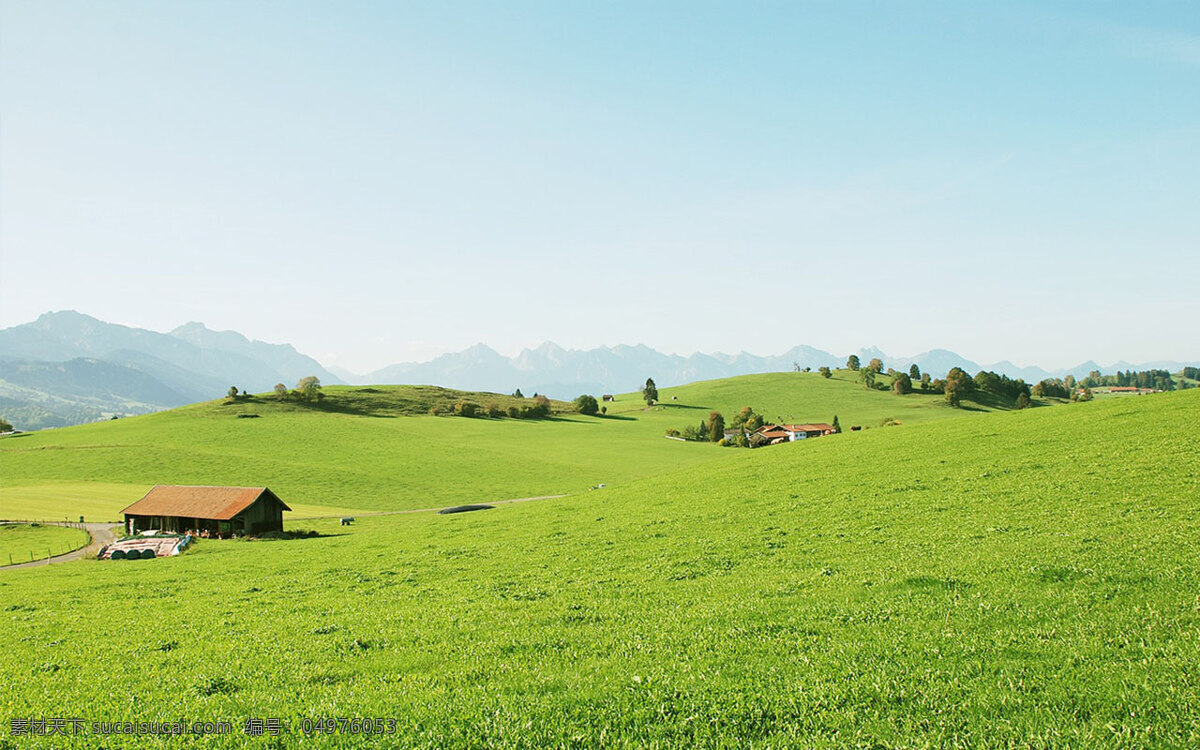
(376, 448)
(1023, 579)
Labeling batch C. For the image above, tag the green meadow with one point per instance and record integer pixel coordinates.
(1000, 580)
(376, 448)
(22, 542)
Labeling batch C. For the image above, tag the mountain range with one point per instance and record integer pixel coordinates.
(566, 373)
(69, 368)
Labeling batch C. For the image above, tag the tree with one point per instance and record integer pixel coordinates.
(837, 426)
(716, 427)
(586, 404)
(517, 394)
(280, 391)
(1023, 401)
(233, 391)
(541, 406)
(902, 384)
(852, 362)
(825, 372)
(925, 381)
(956, 384)
(650, 392)
(868, 378)
(309, 388)
(5, 426)
(914, 372)
(876, 365)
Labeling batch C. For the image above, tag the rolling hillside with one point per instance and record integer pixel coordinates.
(1009, 580)
(376, 448)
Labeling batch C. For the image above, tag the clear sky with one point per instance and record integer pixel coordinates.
(377, 182)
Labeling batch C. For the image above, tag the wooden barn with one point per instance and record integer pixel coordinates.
(224, 511)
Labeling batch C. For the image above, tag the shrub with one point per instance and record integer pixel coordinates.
(435, 410)
(466, 408)
(494, 411)
(541, 406)
(513, 412)
(672, 432)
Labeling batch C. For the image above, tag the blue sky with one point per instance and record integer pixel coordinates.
(378, 182)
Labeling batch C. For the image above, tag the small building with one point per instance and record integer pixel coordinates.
(219, 510)
(803, 431)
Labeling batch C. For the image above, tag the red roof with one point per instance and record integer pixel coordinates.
(220, 503)
(819, 427)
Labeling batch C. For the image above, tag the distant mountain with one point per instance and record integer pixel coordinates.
(66, 368)
(566, 373)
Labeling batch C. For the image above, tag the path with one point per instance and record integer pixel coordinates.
(101, 534)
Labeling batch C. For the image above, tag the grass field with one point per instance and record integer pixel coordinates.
(1026, 579)
(25, 542)
(360, 451)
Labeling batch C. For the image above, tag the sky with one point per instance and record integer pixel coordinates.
(377, 182)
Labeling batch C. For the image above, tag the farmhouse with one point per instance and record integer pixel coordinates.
(219, 510)
(802, 431)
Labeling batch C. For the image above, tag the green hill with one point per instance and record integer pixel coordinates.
(1012, 580)
(376, 448)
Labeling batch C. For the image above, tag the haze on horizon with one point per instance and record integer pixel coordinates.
(376, 183)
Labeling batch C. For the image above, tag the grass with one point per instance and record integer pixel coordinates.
(26, 542)
(1013, 580)
(360, 451)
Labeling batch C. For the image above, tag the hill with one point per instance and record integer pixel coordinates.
(376, 448)
(1019, 579)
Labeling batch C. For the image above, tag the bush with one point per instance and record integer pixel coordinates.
(466, 408)
(672, 432)
(494, 411)
(513, 412)
(435, 411)
(587, 405)
(541, 406)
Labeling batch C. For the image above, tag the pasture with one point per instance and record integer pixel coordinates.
(1010, 580)
(22, 542)
(373, 449)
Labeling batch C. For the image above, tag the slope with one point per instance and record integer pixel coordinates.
(1023, 579)
(362, 448)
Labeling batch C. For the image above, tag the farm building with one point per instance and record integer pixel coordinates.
(218, 510)
(802, 431)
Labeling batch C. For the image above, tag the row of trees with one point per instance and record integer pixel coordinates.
(1160, 380)
(539, 408)
(307, 389)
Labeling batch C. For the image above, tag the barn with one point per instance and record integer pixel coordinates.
(224, 511)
